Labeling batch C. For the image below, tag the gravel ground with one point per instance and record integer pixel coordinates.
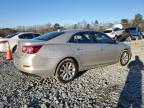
(104, 87)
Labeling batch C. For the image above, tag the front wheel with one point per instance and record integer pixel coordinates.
(66, 70)
(124, 59)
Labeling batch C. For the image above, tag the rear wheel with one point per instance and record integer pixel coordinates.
(124, 59)
(66, 70)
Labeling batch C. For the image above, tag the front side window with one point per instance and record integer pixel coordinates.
(26, 36)
(83, 37)
(101, 38)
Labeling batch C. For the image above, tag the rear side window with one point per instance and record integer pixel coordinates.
(26, 36)
(49, 36)
(83, 37)
(36, 35)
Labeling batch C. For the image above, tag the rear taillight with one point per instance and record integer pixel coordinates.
(3, 42)
(31, 49)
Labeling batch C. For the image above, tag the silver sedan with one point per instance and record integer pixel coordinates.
(63, 54)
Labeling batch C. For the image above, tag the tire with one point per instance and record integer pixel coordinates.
(125, 57)
(63, 73)
(14, 49)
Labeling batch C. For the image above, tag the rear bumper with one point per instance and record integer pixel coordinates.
(42, 67)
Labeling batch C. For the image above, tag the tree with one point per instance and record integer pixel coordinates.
(139, 17)
(141, 25)
(88, 26)
(96, 22)
(75, 26)
(6, 31)
(137, 20)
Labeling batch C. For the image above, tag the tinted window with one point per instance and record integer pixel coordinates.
(49, 36)
(108, 31)
(101, 38)
(81, 38)
(26, 36)
(36, 35)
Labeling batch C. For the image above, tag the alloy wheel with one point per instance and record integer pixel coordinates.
(124, 58)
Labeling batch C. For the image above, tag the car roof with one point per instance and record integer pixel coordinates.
(77, 30)
(27, 33)
(67, 35)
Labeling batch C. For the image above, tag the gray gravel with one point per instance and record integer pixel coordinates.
(104, 87)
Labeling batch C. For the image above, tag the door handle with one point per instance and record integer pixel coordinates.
(79, 49)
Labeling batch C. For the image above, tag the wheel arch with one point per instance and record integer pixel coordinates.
(69, 57)
(126, 49)
(14, 48)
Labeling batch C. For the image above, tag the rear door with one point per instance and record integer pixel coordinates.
(81, 44)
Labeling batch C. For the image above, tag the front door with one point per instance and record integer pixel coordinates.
(109, 49)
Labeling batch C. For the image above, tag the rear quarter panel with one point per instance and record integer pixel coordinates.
(57, 51)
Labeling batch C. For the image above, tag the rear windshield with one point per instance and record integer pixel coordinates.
(11, 35)
(49, 36)
(108, 31)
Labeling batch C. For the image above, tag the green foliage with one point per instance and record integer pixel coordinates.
(137, 20)
(96, 22)
(139, 17)
(75, 26)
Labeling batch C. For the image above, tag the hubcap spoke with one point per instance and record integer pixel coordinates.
(67, 71)
(125, 58)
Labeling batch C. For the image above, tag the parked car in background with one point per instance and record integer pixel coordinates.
(63, 54)
(14, 38)
(135, 33)
(143, 34)
(113, 32)
(126, 36)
